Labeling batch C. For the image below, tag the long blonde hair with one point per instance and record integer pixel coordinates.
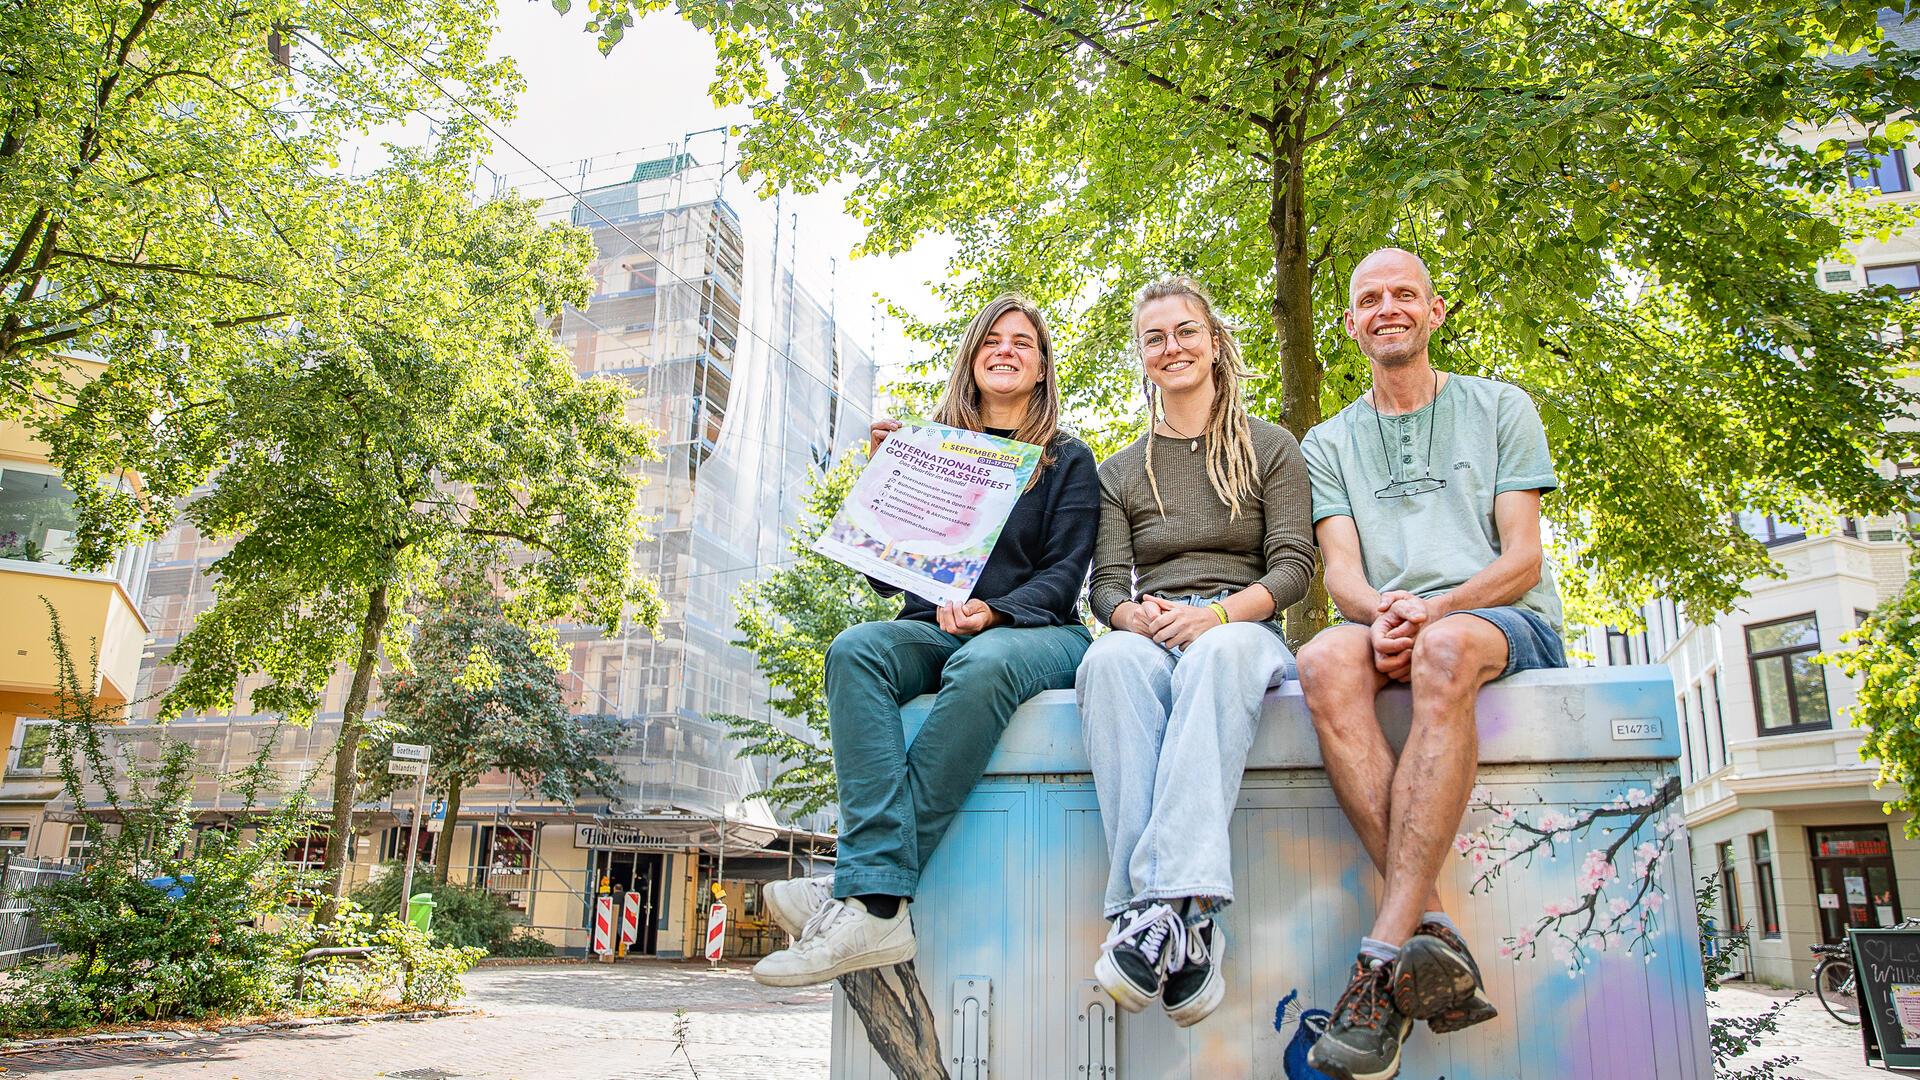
(1231, 461)
(960, 403)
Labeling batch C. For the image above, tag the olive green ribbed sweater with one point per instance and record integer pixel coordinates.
(1197, 547)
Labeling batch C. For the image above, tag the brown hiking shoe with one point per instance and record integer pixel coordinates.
(1438, 981)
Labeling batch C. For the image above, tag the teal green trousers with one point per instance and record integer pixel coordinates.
(896, 800)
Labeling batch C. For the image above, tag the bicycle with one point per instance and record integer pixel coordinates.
(1834, 984)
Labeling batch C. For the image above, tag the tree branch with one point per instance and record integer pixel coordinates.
(1264, 123)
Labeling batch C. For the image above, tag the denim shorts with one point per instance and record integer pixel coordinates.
(1531, 640)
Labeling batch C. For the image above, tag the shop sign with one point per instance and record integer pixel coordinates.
(1852, 848)
(1887, 963)
(624, 838)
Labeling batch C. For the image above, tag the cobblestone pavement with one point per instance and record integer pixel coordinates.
(618, 1023)
(547, 1021)
(1826, 1048)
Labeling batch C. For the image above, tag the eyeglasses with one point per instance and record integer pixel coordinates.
(1419, 485)
(1154, 342)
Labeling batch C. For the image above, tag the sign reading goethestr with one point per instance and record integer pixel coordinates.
(623, 838)
(406, 751)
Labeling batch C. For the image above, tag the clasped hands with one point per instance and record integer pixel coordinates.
(1170, 625)
(1398, 620)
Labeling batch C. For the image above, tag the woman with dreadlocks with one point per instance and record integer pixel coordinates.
(1204, 539)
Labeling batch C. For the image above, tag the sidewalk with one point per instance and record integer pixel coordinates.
(563, 1020)
(1826, 1048)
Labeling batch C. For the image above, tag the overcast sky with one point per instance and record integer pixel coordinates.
(650, 92)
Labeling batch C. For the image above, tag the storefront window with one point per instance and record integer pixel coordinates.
(1853, 879)
(13, 840)
(37, 521)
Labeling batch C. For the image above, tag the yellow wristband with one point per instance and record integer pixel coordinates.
(1220, 609)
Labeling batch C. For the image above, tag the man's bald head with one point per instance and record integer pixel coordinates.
(1390, 256)
(1392, 309)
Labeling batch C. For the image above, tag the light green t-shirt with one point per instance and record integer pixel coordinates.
(1486, 439)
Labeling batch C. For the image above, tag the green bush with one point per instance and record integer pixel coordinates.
(426, 973)
(525, 944)
(462, 916)
(227, 944)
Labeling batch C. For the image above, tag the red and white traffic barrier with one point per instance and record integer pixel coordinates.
(629, 921)
(716, 931)
(603, 925)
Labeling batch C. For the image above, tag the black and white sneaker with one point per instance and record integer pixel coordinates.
(1195, 986)
(1133, 960)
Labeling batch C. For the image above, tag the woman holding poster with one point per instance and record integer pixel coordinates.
(1204, 539)
(1017, 633)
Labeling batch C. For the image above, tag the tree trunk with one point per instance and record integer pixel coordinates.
(1300, 371)
(346, 753)
(443, 847)
(899, 1022)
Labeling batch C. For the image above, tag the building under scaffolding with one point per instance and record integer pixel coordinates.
(753, 381)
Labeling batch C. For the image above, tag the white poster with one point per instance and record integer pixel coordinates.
(1856, 890)
(927, 510)
(1830, 901)
(1906, 1006)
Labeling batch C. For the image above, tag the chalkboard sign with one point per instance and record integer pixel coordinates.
(1887, 966)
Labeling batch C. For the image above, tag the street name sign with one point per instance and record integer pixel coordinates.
(407, 768)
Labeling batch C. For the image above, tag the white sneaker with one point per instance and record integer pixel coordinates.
(794, 901)
(841, 937)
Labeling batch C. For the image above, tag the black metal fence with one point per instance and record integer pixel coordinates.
(20, 935)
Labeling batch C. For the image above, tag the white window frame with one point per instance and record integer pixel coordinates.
(21, 726)
(83, 845)
(25, 842)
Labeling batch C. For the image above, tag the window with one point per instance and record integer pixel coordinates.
(1706, 732)
(31, 743)
(1768, 529)
(394, 841)
(37, 521)
(1789, 689)
(1762, 846)
(1910, 471)
(13, 839)
(1619, 648)
(1904, 277)
(1887, 171)
(1730, 891)
(1719, 719)
(1853, 879)
(78, 843)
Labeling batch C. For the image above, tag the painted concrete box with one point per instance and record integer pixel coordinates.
(1572, 885)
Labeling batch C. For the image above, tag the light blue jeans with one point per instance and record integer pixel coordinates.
(1167, 735)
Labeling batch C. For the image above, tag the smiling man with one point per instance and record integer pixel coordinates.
(1426, 506)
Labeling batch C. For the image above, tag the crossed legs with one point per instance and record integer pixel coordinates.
(1406, 812)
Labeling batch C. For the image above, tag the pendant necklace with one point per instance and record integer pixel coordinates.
(1193, 443)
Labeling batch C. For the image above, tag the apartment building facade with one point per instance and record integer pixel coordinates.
(100, 610)
(1781, 807)
(741, 364)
